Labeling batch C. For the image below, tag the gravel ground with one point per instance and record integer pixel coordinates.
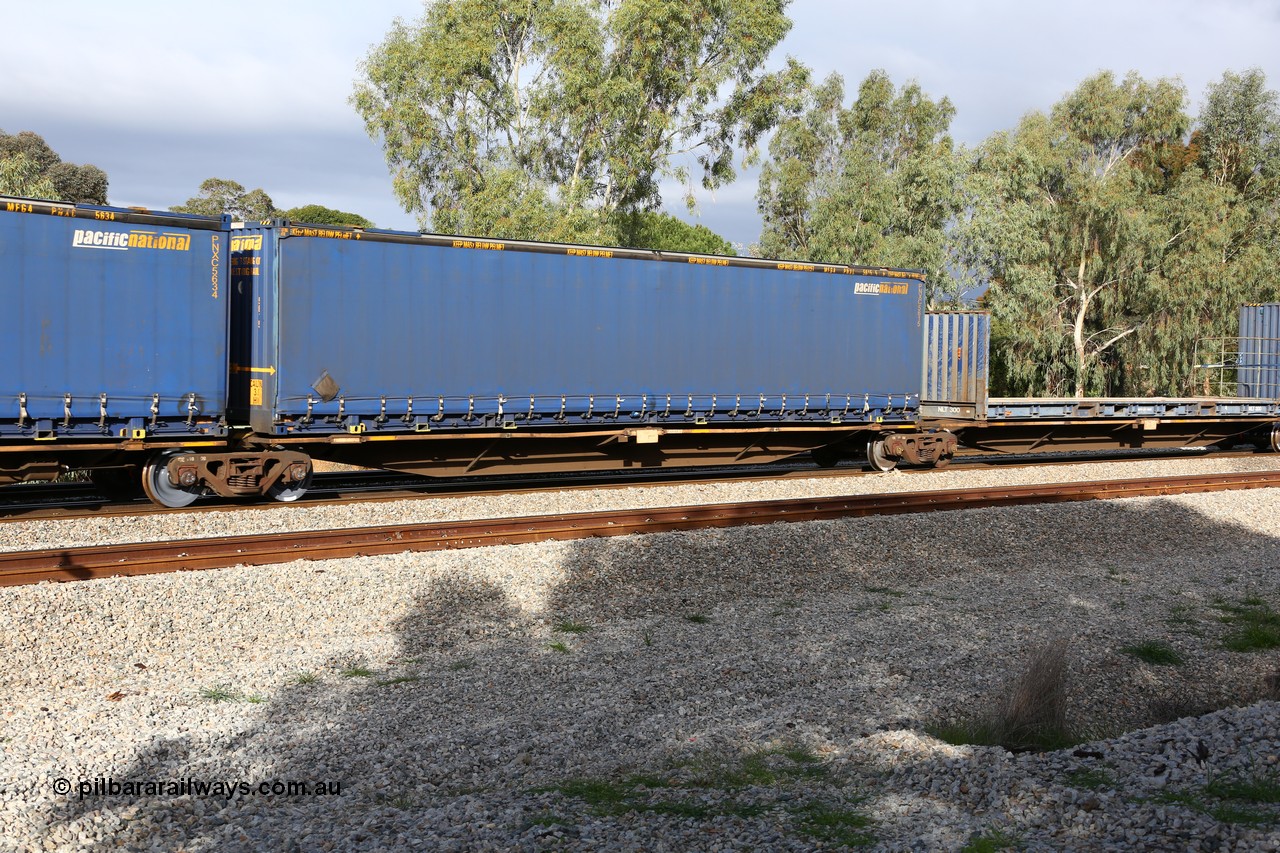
(750, 689)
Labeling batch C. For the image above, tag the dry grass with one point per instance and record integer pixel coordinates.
(1030, 715)
(1034, 712)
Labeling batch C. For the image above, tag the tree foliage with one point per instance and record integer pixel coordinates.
(21, 176)
(1114, 241)
(575, 105)
(1068, 225)
(876, 182)
(1222, 212)
(318, 214)
(30, 168)
(220, 195)
(666, 233)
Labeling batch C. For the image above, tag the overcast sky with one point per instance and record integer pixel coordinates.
(163, 94)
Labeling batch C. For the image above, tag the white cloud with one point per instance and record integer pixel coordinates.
(188, 66)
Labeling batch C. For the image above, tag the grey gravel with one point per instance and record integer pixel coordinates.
(751, 689)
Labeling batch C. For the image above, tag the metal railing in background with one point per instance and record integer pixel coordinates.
(1241, 366)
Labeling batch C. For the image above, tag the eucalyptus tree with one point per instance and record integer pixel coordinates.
(1068, 224)
(29, 167)
(20, 175)
(318, 214)
(876, 182)
(497, 115)
(221, 195)
(1222, 210)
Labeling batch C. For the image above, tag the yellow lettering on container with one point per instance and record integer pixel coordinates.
(479, 244)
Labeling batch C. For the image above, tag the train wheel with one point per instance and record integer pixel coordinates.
(290, 493)
(160, 489)
(878, 457)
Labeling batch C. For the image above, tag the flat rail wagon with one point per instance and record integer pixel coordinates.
(956, 399)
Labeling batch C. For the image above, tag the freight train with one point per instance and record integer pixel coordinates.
(193, 355)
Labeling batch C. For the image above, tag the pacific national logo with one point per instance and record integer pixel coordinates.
(136, 239)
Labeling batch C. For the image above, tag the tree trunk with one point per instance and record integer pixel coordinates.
(1078, 340)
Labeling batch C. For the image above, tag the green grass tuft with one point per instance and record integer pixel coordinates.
(357, 672)
(226, 693)
(1256, 625)
(990, 841)
(647, 794)
(1091, 779)
(833, 824)
(221, 693)
(1254, 789)
(1155, 652)
(558, 647)
(568, 626)
(697, 618)
(759, 768)
(595, 792)
(304, 677)
(1232, 800)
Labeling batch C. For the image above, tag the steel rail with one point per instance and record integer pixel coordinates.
(65, 564)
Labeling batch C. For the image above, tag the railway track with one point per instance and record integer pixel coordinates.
(67, 564)
(82, 500)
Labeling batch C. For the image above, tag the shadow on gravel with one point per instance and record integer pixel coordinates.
(654, 655)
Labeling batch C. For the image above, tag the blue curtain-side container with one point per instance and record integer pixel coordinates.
(115, 322)
(389, 331)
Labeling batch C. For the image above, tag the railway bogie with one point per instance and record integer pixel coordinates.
(171, 477)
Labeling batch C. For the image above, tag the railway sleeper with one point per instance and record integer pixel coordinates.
(176, 478)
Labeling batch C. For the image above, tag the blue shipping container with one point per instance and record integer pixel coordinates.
(115, 322)
(362, 331)
(955, 364)
(1258, 362)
